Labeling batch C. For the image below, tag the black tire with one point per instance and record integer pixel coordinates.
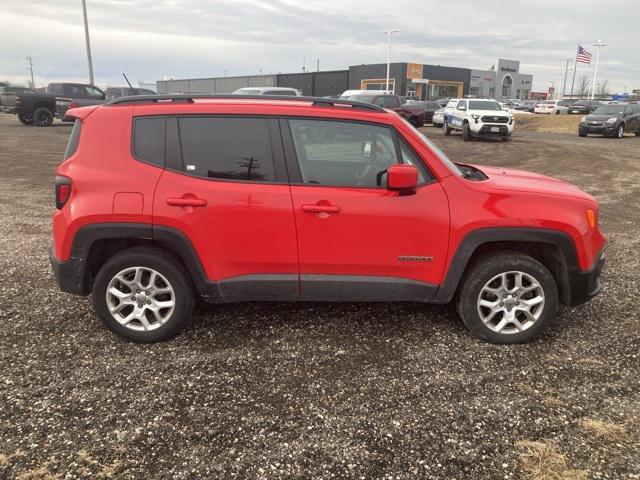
(414, 121)
(580, 134)
(485, 269)
(619, 131)
(505, 138)
(446, 129)
(466, 132)
(42, 117)
(25, 119)
(638, 134)
(437, 125)
(167, 266)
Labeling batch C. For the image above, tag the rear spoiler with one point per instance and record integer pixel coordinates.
(81, 112)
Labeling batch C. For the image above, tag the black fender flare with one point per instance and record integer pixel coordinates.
(476, 238)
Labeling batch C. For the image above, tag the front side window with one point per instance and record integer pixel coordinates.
(462, 105)
(227, 148)
(289, 93)
(342, 153)
(94, 92)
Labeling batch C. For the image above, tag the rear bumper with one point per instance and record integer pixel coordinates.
(583, 286)
(69, 275)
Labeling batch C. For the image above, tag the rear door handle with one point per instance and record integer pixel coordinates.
(314, 208)
(186, 202)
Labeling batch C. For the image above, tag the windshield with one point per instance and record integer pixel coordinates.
(483, 105)
(609, 110)
(438, 153)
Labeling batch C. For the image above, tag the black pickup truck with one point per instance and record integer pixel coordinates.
(30, 106)
(39, 109)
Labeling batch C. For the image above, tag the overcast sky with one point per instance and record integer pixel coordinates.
(154, 39)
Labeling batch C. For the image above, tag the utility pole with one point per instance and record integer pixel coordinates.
(87, 42)
(598, 44)
(30, 68)
(566, 72)
(388, 33)
(318, 65)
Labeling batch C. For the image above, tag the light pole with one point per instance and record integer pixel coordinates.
(87, 43)
(566, 72)
(388, 33)
(599, 44)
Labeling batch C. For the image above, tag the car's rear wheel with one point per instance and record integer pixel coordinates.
(42, 117)
(446, 129)
(508, 298)
(143, 295)
(466, 133)
(25, 119)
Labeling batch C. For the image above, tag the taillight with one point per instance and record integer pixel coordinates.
(63, 191)
(73, 105)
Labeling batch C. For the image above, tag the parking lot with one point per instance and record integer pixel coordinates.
(323, 390)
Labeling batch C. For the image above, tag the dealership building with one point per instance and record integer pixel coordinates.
(502, 80)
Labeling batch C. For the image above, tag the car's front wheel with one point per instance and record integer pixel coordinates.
(619, 132)
(466, 133)
(507, 298)
(143, 294)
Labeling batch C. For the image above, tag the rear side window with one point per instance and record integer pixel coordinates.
(290, 93)
(149, 139)
(74, 139)
(227, 148)
(391, 102)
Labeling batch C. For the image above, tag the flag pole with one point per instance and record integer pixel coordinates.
(575, 67)
(595, 72)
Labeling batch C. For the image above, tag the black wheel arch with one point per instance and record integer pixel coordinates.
(553, 248)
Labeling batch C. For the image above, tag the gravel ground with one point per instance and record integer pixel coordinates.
(319, 390)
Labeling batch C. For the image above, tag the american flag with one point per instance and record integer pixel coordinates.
(583, 56)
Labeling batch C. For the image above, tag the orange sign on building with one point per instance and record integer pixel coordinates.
(414, 70)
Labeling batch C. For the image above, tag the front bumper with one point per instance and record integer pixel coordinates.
(583, 286)
(489, 130)
(69, 275)
(603, 129)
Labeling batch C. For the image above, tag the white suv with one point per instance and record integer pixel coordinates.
(477, 118)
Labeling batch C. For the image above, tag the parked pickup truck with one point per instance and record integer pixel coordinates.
(40, 109)
(72, 95)
(30, 107)
(412, 113)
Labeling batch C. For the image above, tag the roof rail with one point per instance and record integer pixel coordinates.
(189, 98)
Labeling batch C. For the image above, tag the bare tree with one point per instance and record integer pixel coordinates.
(603, 88)
(583, 86)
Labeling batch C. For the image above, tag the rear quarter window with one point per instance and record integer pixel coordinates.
(149, 140)
(74, 140)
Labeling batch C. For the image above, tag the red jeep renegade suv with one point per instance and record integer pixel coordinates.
(163, 199)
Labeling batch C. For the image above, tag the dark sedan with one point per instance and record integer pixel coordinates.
(584, 107)
(612, 121)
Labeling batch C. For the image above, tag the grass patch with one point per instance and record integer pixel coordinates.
(604, 430)
(548, 123)
(541, 461)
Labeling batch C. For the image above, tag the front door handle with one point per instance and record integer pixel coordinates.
(315, 208)
(186, 202)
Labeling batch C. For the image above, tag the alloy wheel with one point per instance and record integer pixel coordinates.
(511, 302)
(140, 298)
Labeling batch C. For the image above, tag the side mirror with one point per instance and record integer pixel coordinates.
(463, 108)
(367, 150)
(402, 178)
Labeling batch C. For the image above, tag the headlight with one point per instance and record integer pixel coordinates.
(583, 120)
(612, 120)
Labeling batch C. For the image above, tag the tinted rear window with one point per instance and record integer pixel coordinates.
(74, 140)
(227, 148)
(149, 139)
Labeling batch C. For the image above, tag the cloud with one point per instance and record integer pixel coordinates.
(150, 39)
